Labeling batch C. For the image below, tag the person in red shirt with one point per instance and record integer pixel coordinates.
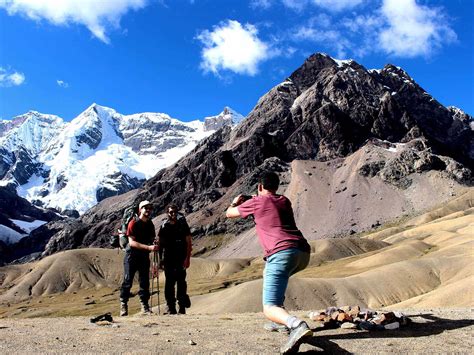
(286, 252)
(141, 237)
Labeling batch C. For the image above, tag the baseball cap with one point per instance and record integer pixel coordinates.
(143, 204)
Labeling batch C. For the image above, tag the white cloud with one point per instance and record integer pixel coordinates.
(397, 27)
(62, 84)
(235, 47)
(97, 16)
(332, 38)
(11, 78)
(413, 29)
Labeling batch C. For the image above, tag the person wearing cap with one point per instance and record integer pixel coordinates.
(141, 238)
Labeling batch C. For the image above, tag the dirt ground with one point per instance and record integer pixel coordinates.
(432, 331)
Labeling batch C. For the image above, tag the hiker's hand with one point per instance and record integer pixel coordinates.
(153, 247)
(186, 263)
(238, 200)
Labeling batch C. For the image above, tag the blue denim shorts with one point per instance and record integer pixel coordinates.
(278, 269)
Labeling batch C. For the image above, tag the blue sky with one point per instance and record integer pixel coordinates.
(190, 58)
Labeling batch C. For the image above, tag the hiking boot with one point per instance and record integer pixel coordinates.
(170, 310)
(146, 309)
(186, 301)
(103, 317)
(298, 335)
(182, 310)
(276, 327)
(123, 309)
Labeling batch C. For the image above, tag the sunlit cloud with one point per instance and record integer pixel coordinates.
(234, 47)
(62, 84)
(413, 29)
(11, 78)
(98, 16)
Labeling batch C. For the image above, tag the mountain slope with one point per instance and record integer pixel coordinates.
(427, 263)
(325, 111)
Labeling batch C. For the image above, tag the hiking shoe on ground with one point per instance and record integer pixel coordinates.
(182, 310)
(170, 310)
(146, 309)
(275, 327)
(297, 336)
(187, 301)
(123, 309)
(103, 317)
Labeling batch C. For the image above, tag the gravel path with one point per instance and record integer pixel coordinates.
(432, 331)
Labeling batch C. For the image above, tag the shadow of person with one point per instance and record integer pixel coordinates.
(431, 326)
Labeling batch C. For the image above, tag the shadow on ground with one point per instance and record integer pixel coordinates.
(432, 326)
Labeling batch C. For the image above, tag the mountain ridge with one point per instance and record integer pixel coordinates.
(324, 111)
(40, 152)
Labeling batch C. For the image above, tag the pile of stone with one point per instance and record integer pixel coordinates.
(353, 317)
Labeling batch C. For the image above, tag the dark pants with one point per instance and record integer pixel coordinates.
(131, 264)
(176, 276)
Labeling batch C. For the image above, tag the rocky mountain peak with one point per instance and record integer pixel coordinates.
(306, 75)
(228, 117)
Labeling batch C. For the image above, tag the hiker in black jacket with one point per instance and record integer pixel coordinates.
(141, 237)
(175, 253)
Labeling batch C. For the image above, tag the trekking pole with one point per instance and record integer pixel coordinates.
(157, 262)
(152, 282)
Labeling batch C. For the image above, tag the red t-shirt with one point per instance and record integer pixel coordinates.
(142, 232)
(275, 223)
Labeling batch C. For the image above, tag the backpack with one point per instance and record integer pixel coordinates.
(121, 240)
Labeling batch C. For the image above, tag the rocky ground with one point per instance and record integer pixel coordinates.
(432, 331)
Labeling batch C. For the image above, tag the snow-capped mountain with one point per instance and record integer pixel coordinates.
(226, 117)
(72, 166)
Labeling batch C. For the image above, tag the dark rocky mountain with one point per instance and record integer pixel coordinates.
(15, 210)
(325, 111)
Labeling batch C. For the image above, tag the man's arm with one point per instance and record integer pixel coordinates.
(189, 248)
(232, 210)
(134, 244)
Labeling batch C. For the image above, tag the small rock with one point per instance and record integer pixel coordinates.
(391, 326)
(191, 342)
(348, 325)
(344, 317)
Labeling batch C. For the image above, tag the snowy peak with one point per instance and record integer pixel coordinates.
(33, 131)
(98, 154)
(228, 117)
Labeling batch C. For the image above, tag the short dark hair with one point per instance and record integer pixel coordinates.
(172, 207)
(269, 180)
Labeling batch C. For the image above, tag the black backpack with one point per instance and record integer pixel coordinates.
(121, 240)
